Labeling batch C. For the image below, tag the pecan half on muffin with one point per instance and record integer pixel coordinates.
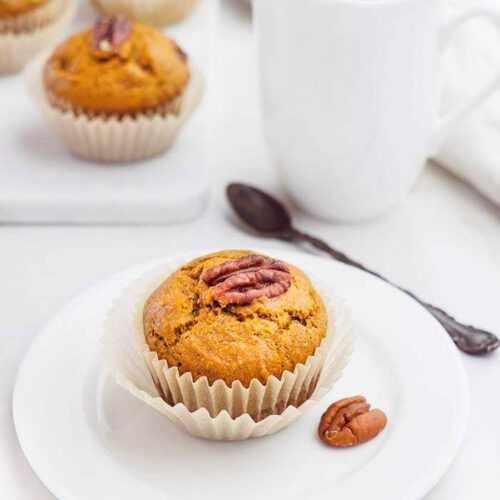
(28, 26)
(154, 12)
(118, 92)
(236, 320)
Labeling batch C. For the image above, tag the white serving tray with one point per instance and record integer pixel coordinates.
(42, 181)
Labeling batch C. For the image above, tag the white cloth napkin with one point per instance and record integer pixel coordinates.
(472, 151)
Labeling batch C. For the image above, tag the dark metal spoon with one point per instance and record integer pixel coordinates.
(269, 217)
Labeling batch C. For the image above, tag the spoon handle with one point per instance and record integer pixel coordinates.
(468, 338)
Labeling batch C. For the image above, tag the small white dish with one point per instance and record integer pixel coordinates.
(87, 438)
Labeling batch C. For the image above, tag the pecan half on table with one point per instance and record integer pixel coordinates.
(350, 421)
(240, 281)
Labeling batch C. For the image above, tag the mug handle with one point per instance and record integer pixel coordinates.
(446, 123)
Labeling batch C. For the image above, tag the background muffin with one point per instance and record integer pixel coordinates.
(117, 68)
(191, 330)
(154, 12)
(119, 92)
(17, 16)
(29, 26)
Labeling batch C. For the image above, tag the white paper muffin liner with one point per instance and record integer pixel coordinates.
(18, 47)
(113, 139)
(154, 12)
(217, 411)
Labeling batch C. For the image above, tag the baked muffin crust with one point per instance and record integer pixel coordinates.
(185, 326)
(11, 8)
(146, 72)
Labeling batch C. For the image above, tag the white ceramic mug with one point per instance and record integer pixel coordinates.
(350, 97)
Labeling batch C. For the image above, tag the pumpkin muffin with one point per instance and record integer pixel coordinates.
(228, 340)
(18, 16)
(235, 316)
(29, 26)
(154, 12)
(117, 68)
(118, 92)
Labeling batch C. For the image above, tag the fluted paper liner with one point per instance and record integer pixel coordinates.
(18, 47)
(217, 411)
(155, 12)
(113, 138)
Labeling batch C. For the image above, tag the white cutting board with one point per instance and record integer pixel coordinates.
(42, 181)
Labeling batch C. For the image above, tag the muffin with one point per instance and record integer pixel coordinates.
(119, 91)
(154, 12)
(237, 319)
(118, 68)
(236, 344)
(29, 26)
(187, 324)
(17, 16)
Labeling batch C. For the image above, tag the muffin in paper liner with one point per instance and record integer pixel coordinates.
(33, 19)
(154, 12)
(114, 138)
(217, 411)
(26, 35)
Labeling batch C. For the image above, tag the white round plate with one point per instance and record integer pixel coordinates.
(87, 438)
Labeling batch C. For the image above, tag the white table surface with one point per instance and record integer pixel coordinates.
(443, 242)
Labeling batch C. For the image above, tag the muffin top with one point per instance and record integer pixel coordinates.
(117, 67)
(9, 8)
(235, 315)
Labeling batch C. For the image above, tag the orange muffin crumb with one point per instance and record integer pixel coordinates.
(186, 327)
(147, 71)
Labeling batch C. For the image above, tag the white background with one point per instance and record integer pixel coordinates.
(443, 242)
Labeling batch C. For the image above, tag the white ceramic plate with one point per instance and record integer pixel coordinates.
(88, 439)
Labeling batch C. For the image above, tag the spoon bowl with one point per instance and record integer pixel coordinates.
(260, 211)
